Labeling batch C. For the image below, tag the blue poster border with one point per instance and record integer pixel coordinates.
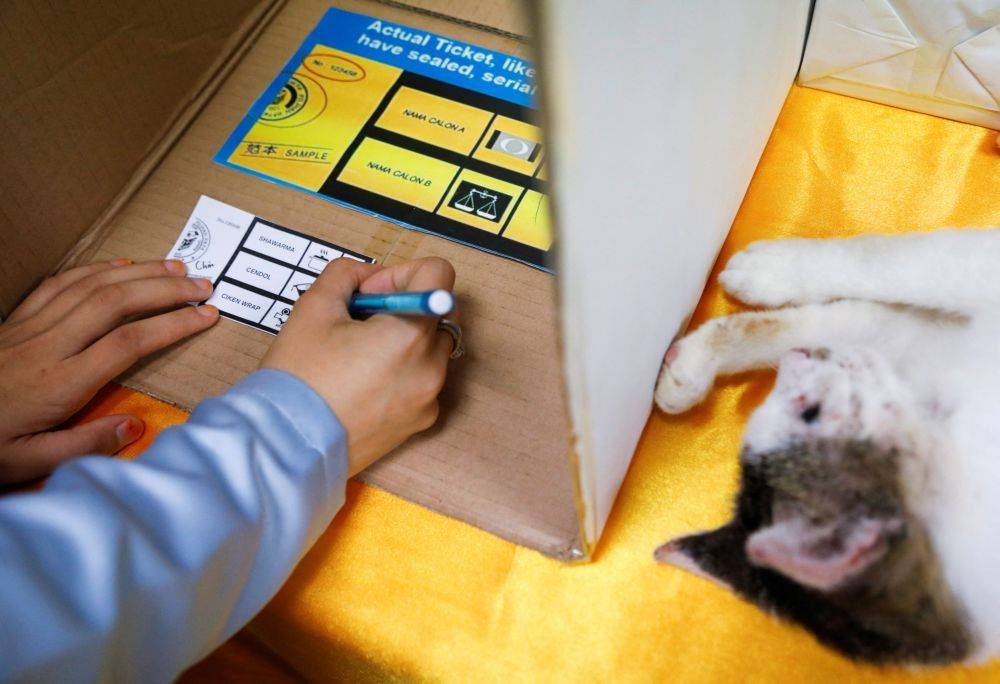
(341, 30)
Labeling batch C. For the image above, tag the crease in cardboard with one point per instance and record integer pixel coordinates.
(582, 548)
(95, 112)
(478, 26)
(240, 43)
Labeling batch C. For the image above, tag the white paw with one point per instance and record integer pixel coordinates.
(769, 273)
(686, 376)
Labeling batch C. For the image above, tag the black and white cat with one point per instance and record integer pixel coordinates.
(869, 506)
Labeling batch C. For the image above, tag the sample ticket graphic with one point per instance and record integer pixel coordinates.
(413, 127)
(259, 269)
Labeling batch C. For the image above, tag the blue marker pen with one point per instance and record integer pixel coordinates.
(431, 303)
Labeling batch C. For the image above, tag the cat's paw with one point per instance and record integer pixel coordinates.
(686, 376)
(768, 273)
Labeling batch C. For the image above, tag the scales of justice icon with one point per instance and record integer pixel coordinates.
(478, 201)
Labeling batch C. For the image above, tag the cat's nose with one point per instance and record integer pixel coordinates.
(810, 414)
(667, 553)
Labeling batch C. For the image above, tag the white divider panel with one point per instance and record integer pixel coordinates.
(658, 113)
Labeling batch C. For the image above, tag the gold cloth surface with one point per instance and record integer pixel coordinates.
(394, 591)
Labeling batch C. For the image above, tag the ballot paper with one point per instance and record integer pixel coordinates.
(414, 127)
(258, 269)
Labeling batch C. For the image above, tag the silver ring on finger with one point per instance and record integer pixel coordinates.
(455, 331)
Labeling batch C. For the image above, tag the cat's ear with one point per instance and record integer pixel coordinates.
(821, 558)
(717, 555)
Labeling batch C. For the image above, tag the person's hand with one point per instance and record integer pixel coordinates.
(380, 376)
(70, 337)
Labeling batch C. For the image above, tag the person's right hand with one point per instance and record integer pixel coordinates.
(380, 376)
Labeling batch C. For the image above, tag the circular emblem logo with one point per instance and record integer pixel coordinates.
(516, 147)
(290, 100)
(194, 242)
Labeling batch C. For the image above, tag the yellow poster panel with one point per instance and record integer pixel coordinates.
(435, 120)
(399, 174)
(530, 223)
(512, 144)
(314, 118)
(480, 201)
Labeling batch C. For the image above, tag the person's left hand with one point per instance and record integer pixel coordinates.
(70, 337)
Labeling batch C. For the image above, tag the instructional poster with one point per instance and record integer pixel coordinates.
(417, 128)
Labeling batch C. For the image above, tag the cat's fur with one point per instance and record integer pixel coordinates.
(870, 498)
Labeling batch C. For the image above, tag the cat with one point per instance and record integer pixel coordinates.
(869, 498)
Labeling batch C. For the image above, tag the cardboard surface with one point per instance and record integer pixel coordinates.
(504, 16)
(88, 89)
(499, 457)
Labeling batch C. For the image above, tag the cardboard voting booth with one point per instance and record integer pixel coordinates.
(146, 128)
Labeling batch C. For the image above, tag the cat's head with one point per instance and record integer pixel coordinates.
(846, 394)
(822, 533)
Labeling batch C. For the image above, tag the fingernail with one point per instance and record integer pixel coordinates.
(207, 310)
(129, 430)
(121, 262)
(203, 284)
(175, 266)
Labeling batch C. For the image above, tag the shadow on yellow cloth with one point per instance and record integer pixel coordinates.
(392, 590)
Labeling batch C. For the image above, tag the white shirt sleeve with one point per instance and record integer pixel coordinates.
(135, 570)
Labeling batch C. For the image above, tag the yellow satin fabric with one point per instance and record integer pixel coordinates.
(395, 591)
